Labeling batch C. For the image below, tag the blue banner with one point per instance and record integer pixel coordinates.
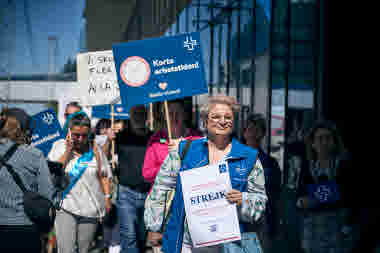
(104, 112)
(45, 130)
(327, 192)
(160, 69)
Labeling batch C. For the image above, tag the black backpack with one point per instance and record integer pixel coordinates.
(40, 210)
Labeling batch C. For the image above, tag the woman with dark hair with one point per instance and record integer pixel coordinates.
(321, 196)
(87, 198)
(30, 164)
(253, 134)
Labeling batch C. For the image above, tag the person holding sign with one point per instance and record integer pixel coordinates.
(158, 142)
(87, 198)
(246, 173)
(321, 190)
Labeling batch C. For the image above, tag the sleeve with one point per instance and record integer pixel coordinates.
(106, 168)
(151, 165)
(165, 182)
(101, 139)
(254, 201)
(45, 185)
(57, 150)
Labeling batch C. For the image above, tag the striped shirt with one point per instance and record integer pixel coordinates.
(31, 166)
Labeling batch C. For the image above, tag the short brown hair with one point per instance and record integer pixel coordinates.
(15, 124)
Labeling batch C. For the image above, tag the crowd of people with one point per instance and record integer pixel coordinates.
(121, 181)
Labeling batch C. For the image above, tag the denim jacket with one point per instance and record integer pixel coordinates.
(241, 161)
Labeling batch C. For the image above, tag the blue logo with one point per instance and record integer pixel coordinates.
(189, 44)
(213, 228)
(222, 168)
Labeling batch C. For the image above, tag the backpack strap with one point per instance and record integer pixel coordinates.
(4, 160)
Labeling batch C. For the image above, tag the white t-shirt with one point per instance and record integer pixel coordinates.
(86, 198)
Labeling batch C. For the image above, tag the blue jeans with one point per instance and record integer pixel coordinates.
(131, 212)
(249, 244)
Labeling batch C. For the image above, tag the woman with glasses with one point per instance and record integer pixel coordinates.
(246, 172)
(87, 198)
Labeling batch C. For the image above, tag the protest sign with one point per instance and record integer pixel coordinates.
(211, 218)
(160, 69)
(104, 111)
(45, 130)
(97, 78)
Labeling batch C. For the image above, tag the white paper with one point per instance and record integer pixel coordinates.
(97, 78)
(211, 218)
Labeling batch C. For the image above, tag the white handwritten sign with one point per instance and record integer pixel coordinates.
(97, 78)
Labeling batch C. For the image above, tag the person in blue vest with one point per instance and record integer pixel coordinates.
(253, 134)
(246, 173)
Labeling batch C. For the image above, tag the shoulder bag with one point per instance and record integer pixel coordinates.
(40, 210)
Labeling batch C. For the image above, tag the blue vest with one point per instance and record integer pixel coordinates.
(240, 162)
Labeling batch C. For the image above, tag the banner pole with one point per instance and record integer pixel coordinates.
(151, 116)
(168, 120)
(113, 141)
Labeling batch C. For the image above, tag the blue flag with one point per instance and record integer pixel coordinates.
(160, 69)
(45, 130)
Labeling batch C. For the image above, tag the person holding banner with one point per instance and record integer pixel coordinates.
(322, 198)
(158, 144)
(17, 231)
(246, 173)
(87, 198)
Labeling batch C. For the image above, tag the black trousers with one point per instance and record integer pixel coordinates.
(369, 230)
(17, 239)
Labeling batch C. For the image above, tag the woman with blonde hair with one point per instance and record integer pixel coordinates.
(247, 176)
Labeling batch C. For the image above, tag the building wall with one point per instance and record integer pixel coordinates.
(116, 21)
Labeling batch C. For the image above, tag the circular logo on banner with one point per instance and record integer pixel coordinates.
(135, 71)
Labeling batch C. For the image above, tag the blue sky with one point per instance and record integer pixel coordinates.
(25, 26)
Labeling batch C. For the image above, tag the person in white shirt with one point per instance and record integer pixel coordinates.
(87, 198)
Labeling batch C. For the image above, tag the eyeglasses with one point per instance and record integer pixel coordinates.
(217, 118)
(77, 135)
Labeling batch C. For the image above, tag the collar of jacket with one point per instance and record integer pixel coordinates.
(238, 150)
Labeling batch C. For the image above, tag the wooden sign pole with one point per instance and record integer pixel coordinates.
(113, 141)
(151, 116)
(168, 120)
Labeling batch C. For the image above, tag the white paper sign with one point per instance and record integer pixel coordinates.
(97, 78)
(211, 218)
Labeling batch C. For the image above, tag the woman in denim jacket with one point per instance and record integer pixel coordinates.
(246, 172)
